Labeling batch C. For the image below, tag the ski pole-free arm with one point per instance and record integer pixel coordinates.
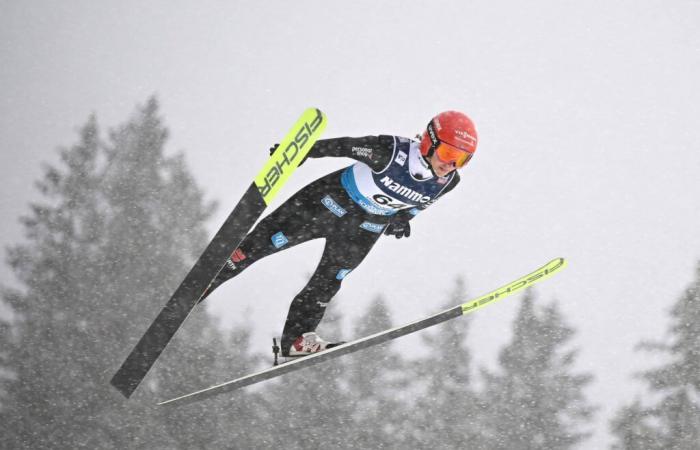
(375, 151)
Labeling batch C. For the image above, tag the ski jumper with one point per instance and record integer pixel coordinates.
(350, 208)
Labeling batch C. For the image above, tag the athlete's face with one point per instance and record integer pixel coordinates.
(441, 168)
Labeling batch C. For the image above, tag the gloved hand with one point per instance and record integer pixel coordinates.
(274, 147)
(399, 229)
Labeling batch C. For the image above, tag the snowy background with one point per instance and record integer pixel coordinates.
(589, 143)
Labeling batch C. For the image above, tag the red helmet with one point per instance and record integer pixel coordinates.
(453, 135)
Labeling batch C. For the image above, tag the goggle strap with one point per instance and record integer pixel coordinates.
(434, 141)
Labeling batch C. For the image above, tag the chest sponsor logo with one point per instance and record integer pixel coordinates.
(401, 158)
(404, 191)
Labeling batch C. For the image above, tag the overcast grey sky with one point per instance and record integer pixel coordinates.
(589, 141)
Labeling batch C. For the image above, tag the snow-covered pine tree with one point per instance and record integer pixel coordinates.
(536, 400)
(49, 359)
(451, 414)
(202, 355)
(376, 379)
(672, 418)
(6, 374)
(117, 226)
(632, 426)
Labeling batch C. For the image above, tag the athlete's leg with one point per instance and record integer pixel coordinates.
(301, 218)
(340, 256)
(294, 222)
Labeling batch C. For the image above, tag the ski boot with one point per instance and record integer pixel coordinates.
(308, 344)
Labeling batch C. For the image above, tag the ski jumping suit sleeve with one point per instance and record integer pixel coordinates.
(350, 208)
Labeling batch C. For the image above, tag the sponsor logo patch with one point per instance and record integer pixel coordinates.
(332, 206)
(373, 227)
(279, 240)
(466, 137)
(412, 195)
(238, 255)
(362, 151)
(342, 273)
(401, 158)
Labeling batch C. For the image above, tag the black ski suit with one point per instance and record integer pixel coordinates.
(340, 208)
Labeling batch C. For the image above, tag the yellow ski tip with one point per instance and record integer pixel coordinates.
(528, 280)
(291, 151)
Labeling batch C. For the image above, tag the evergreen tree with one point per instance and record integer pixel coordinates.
(58, 232)
(6, 374)
(199, 356)
(450, 407)
(673, 420)
(536, 401)
(376, 378)
(633, 430)
(118, 226)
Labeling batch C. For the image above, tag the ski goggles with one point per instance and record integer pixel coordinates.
(450, 154)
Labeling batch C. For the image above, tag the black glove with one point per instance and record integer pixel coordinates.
(399, 229)
(274, 147)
